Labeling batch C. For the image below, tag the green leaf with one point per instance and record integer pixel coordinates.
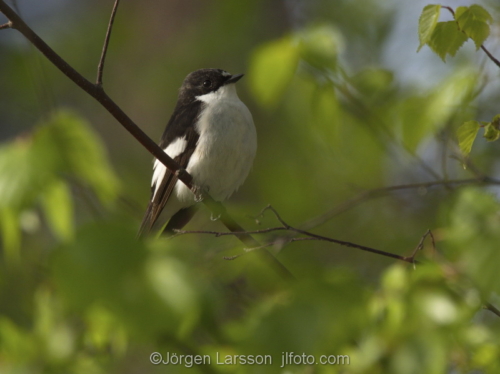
(319, 46)
(466, 134)
(11, 234)
(473, 236)
(425, 114)
(74, 148)
(473, 21)
(491, 133)
(427, 23)
(22, 174)
(58, 208)
(446, 39)
(272, 68)
(326, 113)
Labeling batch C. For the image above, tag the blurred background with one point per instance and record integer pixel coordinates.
(343, 104)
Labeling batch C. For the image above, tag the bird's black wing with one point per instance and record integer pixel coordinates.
(180, 126)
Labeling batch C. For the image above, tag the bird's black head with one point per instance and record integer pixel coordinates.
(205, 81)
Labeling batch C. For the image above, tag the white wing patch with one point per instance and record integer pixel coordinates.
(173, 150)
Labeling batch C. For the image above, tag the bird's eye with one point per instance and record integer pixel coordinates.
(207, 83)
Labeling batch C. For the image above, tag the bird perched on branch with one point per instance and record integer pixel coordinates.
(211, 134)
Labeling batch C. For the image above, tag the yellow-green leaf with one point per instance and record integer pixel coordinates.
(326, 113)
(473, 21)
(427, 23)
(491, 133)
(466, 135)
(58, 208)
(74, 148)
(272, 68)
(446, 39)
(11, 234)
(319, 46)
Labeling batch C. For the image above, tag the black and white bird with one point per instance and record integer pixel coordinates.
(211, 134)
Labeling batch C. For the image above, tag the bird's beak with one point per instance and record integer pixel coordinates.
(234, 78)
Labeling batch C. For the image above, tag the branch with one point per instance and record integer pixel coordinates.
(488, 53)
(420, 244)
(492, 308)
(382, 191)
(7, 25)
(100, 67)
(97, 92)
(309, 235)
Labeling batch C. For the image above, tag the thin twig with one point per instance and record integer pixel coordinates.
(7, 25)
(97, 92)
(100, 67)
(382, 191)
(309, 236)
(492, 308)
(420, 244)
(218, 234)
(491, 57)
(488, 53)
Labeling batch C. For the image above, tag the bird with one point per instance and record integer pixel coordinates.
(211, 134)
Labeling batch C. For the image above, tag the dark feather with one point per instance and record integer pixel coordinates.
(180, 219)
(181, 125)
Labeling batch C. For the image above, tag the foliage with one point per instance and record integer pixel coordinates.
(446, 38)
(79, 293)
(34, 170)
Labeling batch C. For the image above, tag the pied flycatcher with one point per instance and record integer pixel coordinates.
(211, 134)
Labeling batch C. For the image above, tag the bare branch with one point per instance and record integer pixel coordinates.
(97, 92)
(309, 236)
(7, 25)
(100, 67)
(490, 56)
(492, 308)
(420, 244)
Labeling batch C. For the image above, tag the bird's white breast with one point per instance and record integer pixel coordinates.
(226, 147)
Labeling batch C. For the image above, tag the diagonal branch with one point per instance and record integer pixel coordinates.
(100, 67)
(97, 92)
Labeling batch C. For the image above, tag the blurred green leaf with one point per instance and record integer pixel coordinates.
(272, 68)
(11, 234)
(473, 236)
(336, 317)
(32, 170)
(106, 265)
(446, 39)
(58, 207)
(326, 113)
(424, 115)
(22, 174)
(104, 330)
(374, 82)
(74, 149)
(473, 21)
(427, 23)
(466, 134)
(319, 46)
(58, 339)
